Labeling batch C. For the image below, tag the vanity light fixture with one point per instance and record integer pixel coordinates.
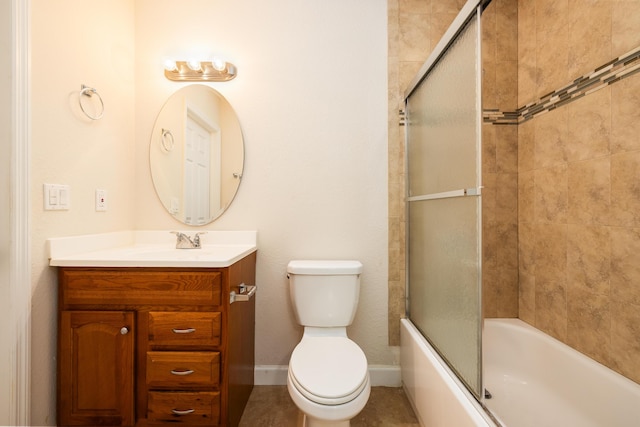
(218, 64)
(170, 65)
(194, 65)
(216, 70)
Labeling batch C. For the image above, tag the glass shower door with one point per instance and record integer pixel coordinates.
(444, 115)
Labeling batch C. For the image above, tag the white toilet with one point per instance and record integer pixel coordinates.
(328, 376)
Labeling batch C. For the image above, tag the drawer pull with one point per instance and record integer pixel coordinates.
(183, 373)
(185, 412)
(184, 331)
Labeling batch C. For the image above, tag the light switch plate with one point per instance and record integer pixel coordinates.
(57, 197)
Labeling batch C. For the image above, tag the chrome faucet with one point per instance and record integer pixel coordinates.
(184, 242)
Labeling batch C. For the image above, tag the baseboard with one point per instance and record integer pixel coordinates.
(385, 375)
(381, 375)
(270, 375)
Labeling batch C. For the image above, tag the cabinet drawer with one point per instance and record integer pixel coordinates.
(200, 408)
(189, 329)
(152, 287)
(183, 369)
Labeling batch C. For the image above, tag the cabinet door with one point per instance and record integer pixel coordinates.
(96, 368)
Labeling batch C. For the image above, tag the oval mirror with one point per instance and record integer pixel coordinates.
(196, 155)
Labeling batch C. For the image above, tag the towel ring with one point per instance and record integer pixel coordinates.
(89, 91)
(167, 140)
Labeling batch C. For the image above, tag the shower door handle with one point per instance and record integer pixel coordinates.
(473, 191)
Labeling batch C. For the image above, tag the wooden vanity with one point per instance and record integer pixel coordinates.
(145, 346)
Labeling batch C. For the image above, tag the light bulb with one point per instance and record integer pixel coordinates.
(194, 65)
(170, 65)
(218, 64)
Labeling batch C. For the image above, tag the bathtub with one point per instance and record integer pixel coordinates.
(534, 380)
(438, 398)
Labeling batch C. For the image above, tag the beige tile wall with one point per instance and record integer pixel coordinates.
(500, 161)
(579, 181)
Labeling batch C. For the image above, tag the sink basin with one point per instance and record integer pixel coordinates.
(149, 249)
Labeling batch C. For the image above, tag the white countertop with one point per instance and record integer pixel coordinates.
(150, 249)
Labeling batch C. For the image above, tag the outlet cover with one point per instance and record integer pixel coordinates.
(101, 200)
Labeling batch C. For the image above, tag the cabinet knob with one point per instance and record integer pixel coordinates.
(124, 330)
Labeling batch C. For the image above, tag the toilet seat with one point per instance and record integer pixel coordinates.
(328, 370)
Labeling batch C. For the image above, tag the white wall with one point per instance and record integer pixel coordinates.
(311, 97)
(76, 42)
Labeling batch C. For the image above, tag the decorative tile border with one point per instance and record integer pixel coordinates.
(609, 73)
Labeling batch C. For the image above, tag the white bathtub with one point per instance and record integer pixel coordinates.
(537, 381)
(534, 379)
(437, 396)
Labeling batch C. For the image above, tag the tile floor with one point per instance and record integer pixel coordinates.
(271, 406)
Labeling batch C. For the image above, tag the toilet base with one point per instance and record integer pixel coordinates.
(307, 421)
(331, 415)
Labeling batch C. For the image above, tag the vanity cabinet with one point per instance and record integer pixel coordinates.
(155, 346)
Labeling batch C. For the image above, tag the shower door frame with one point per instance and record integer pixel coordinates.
(471, 10)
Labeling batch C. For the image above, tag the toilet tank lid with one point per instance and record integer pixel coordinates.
(322, 267)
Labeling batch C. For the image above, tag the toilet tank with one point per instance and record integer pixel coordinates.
(324, 293)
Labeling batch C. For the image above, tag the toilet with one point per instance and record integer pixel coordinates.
(328, 376)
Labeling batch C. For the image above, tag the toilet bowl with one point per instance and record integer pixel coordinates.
(328, 377)
(328, 380)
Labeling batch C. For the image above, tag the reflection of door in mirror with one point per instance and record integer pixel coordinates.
(201, 169)
(196, 155)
